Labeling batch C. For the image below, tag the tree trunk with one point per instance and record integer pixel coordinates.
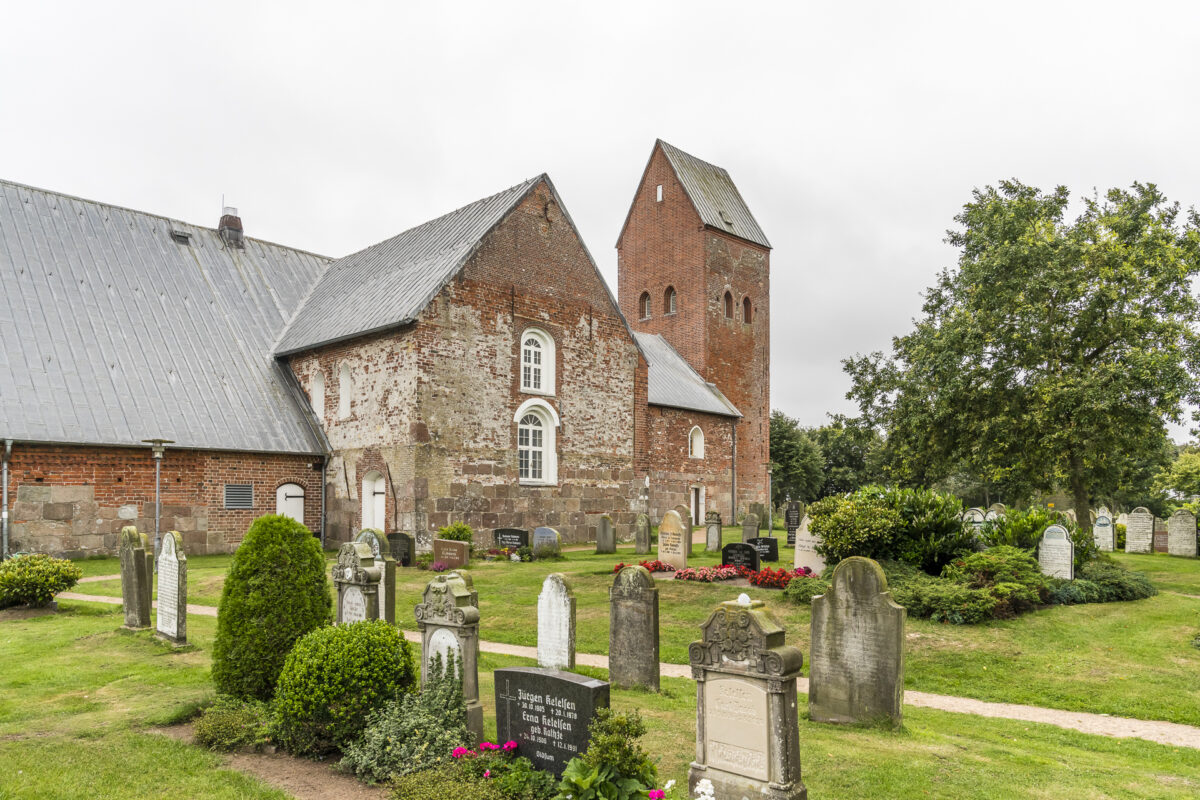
(1079, 492)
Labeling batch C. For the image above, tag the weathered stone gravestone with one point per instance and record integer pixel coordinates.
(1181, 534)
(1123, 519)
(547, 713)
(975, 517)
(137, 573)
(381, 550)
(686, 517)
(857, 659)
(671, 547)
(606, 535)
(762, 515)
(633, 629)
(750, 527)
(454, 555)
(1056, 553)
(767, 547)
(747, 729)
(998, 509)
(641, 535)
(1103, 532)
(510, 538)
(172, 589)
(1161, 542)
(740, 554)
(1139, 531)
(356, 579)
(556, 623)
(712, 532)
(448, 619)
(403, 548)
(806, 554)
(546, 540)
(791, 519)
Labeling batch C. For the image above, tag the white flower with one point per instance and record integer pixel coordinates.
(514, 557)
(670, 783)
(705, 790)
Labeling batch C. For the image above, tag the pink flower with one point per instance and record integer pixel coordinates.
(657, 794)
(487, 773)
(510, 745)
(459, 752)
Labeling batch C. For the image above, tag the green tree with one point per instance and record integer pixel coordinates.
(852, 453)
(797, 467)
(1053, 353)
(1182, 477)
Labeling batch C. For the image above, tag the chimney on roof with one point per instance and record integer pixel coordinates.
(230, 227)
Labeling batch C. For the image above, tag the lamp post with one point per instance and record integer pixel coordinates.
(157, 446)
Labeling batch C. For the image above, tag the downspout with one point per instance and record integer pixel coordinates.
(324, 466)
(733, 472)
(8, 443)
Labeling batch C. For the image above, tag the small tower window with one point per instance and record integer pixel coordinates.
(728, 306)
(669, 300)
(658, 194)
(747, 312)
(696, 443)
(644, 306)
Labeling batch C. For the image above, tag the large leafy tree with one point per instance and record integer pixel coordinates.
(1053, 353)
(852, 454)
(797, 466)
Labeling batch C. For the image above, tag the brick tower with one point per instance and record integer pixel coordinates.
(694, 266)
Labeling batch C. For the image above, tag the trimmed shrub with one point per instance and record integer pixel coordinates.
(945, 601)
(434, 784)
(1114, 582)
(1021, 529)
(802, 589)
(932, 533)
(33, 579)
(456, 532)
(332, 680)
(231, 723)
(1011, 575)
(276, 591)
(858, 525)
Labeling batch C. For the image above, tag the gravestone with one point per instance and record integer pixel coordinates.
(556, 623)
(740, 554)
(1104, 533)
(686, 516)
(547, 713)
(1123, 519)
(1181, 534)
(792, 520)
(747, 728)
(712, 532)
(857, 659)
(974, 517)
(510, 538)
(356, 579)
(545, 540)
(137, 573)
(750, 527)
(1161, 539)
(403, 548)
(1056, 553)
(1139, 531)
(606, 535)
(172, 589)
(381, 549)
(806, 554)
(448, 619)
(641, 535)
(998, 509)
(451, 553)
(633, 629)
(761, 515)
(671, 547)
(768, 548)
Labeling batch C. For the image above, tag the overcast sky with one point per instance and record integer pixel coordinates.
(855, 131)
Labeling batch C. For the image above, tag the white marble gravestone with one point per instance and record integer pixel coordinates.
(172, 589)
(672, 547)
(1056, 553)
(556, 623)
(806, 554)
(1139, 531)
(975, 517)
(1104, 533)
(1181, 534)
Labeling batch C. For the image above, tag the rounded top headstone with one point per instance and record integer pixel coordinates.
(1055, 532)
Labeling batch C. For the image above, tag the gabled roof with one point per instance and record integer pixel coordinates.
(714, 196)
(114, 332)
(390, 283)
(673, 382)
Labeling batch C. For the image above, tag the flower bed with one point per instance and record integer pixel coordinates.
(725, 572)
(768, 578)
(652, 566)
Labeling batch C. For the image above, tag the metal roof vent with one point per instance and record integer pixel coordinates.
(726, 219)
(181, 236)
(230, 227)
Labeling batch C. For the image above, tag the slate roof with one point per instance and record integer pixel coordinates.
(112, 332)
(714, 195)
(390, 283)
(673, 382)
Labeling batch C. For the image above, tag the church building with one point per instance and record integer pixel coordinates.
(475, 368)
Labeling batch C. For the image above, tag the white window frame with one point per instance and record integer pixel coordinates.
(282, 496)
(345, 391)
(645, 304)
(546, 367)
(374, 500)
(317, 394)
(693, 450)
(670, 301)
(549, 449)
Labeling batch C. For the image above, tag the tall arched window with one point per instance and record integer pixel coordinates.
(644, 306)
(345, 389)
(537, 459)
(728, 306)
(746, 310)
(289, 501)
(537, 362)
(317, 394)
(696, 443)
(374, 500)
(669, 300)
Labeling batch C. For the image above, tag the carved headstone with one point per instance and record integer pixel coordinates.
(671, 546)
(172, 589)
(403, 548)
(1056, 553)
(1139, 531)
(606, 535)
(547, 713)
(448, 619)
(356, 579)
(1181, 534)
(1103, 532)
(767, 547)
(1160, 536)
(546, 540)
(454, 555)
(791, 518)
(750, 527)
(712, 532)
(381, 549)
(510, 538)
(633, 629)
(747, 729)
(137, 573)
(740, 554)
(975, 517)
(806, 554)
(556, 623)
(857, 659)
(641, 535)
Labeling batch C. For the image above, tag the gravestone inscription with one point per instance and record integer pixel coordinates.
(750, 527)
(137, 573)
(1139, 531)
(381, 549)
(641, 535)
(606, 535)
(510, 538)
(1103, 532)
(1161, 537)
(546, 539)
(1056, 553)
(806, 554)
(172, 589)
(633, 629)
(671, 547)
(403, 548)
(448, 620)
(453, 554)
(356, 580)
(1181, 534)
(768, 548)
(556, 623)
(740, 554)
(792, 519)
(547, 712)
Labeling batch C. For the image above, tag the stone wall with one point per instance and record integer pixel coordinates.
(673, 473)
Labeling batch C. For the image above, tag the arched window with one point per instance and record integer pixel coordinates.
(644, 306)
(537, 459)
(728, 306)
(537, 362)
(374, 500)
(289, 501)
(746, 310)
(345, 389)
(696, 443)
(317, 394)
(669, 300)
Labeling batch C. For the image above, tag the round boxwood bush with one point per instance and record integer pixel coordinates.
(33, 579)
(276, 591)
(334, 677)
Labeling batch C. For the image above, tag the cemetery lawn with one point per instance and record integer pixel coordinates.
(78, 697)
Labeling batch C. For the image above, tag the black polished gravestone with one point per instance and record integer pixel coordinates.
(792, 517)
(402, 548)
(740, 554)
(547, 712)
(512, 538)
(767, 547)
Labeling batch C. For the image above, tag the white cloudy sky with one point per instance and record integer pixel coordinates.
(854, 130)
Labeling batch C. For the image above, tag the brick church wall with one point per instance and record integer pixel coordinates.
(674, 473)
